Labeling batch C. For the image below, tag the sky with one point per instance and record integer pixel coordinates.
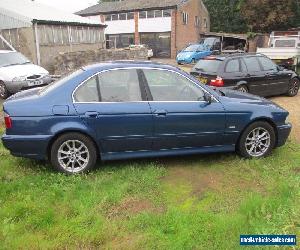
(68, 5)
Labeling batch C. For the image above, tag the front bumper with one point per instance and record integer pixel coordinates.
(16, 86)
(34, 147)
(283, 133)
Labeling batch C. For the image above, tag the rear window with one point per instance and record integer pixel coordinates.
(285, 43)
(208, 65)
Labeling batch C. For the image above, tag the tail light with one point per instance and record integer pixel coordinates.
(7, 121)
(218, 82)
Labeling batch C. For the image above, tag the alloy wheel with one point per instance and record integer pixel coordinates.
(73, 156)
(258, 142)
(294, 88)
(243, 89)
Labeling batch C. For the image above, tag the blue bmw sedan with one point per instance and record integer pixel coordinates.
(124, 109)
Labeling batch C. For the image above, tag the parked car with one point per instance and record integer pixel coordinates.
(253, 73)
(192, 53)
(150, 51)
(18, 73)
(123, 110)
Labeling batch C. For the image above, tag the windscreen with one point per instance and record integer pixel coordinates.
(285, 43)
(12, 58)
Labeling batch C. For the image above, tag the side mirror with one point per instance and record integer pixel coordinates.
(207, 98)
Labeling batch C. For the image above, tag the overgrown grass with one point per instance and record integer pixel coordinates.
(199, 202)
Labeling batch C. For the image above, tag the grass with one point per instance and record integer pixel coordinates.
(198, 202)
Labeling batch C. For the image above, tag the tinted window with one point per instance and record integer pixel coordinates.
(119, 86)
(88, 91)
(267, 64)
(130, 15)
(170, 86)
(143, 14)
(252, 64)
(211, 66)
(122, 16)
(233, 66)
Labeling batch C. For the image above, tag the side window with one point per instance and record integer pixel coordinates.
(233, 66)
(88, 91)
(267, 64)
(120, 85)
(243, 66)
(252, 64)
(170, 86)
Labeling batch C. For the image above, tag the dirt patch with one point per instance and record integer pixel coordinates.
(291, 104)
(131, 206)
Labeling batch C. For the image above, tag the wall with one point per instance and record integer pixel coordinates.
(70, 61)
(190, 30)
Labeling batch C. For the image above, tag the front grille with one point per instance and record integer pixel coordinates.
(33, 77)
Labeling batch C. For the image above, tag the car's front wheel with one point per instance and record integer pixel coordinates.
(293, 87)
(243, 88)
(4, 93)
(73, 153)
(258, 140)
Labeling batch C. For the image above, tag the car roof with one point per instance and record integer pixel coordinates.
(6, 51)
(127, 63)
(222, 57)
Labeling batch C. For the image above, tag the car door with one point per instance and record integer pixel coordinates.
(112, 103)
(255, 76)
(182, 119)
(232, 72)
(277, 82)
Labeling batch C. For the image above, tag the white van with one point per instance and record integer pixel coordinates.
(18, 73)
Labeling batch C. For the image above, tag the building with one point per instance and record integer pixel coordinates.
(41, 32)
(165, 25)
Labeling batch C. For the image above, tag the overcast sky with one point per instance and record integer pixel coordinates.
(69, 5)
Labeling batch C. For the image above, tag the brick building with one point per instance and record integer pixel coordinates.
(165, 25)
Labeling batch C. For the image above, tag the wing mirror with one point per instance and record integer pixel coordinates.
(207, 98)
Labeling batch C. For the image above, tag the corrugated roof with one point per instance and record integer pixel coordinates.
(128, 5)
(21, 13)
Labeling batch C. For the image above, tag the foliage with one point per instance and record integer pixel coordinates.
(267, 15)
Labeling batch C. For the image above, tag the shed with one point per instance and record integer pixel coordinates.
(41, 32)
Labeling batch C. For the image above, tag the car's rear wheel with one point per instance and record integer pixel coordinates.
(4, 93)
(243, 88)
(293, 87)
(258, 140)
(73, 153)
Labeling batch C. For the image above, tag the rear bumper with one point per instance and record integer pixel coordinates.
(283, 133)
(14, 87)
(34, 147)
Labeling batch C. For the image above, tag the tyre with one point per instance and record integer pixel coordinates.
(4, 93)
(73, 153)
(293, 87)
(243, 88)
(258, 140)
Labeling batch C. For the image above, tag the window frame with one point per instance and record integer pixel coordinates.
(143, 84)
(262, 66)
(232, 72)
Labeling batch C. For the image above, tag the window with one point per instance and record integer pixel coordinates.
(285, 43)
(88, 91)
(167, 13)
(211, 66)
(170, 86)
(143, 14)
(267, 64)
(157, 13)
(108, 18)
(114, 17)
(205, 23)
(150, 14)
(185, 18)
(252, 64)
(122, 16)
(120, 86)
(197, 21)
(130, 15)
(233, 66)
(243, 66)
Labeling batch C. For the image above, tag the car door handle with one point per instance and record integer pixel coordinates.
(91, 114)
(161, 112)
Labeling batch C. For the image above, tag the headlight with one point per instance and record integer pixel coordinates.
(19, 79)
(288, 120)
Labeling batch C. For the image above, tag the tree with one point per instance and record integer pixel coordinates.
(268, 15)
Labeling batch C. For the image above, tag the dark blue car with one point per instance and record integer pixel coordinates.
(122, 110)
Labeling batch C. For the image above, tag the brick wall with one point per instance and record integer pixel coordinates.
(173, 34)
(189, 33)
(136, 28)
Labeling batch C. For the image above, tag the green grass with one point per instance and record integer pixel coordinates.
(199, 202)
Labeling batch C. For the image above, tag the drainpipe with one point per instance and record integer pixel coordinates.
(37, 44)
